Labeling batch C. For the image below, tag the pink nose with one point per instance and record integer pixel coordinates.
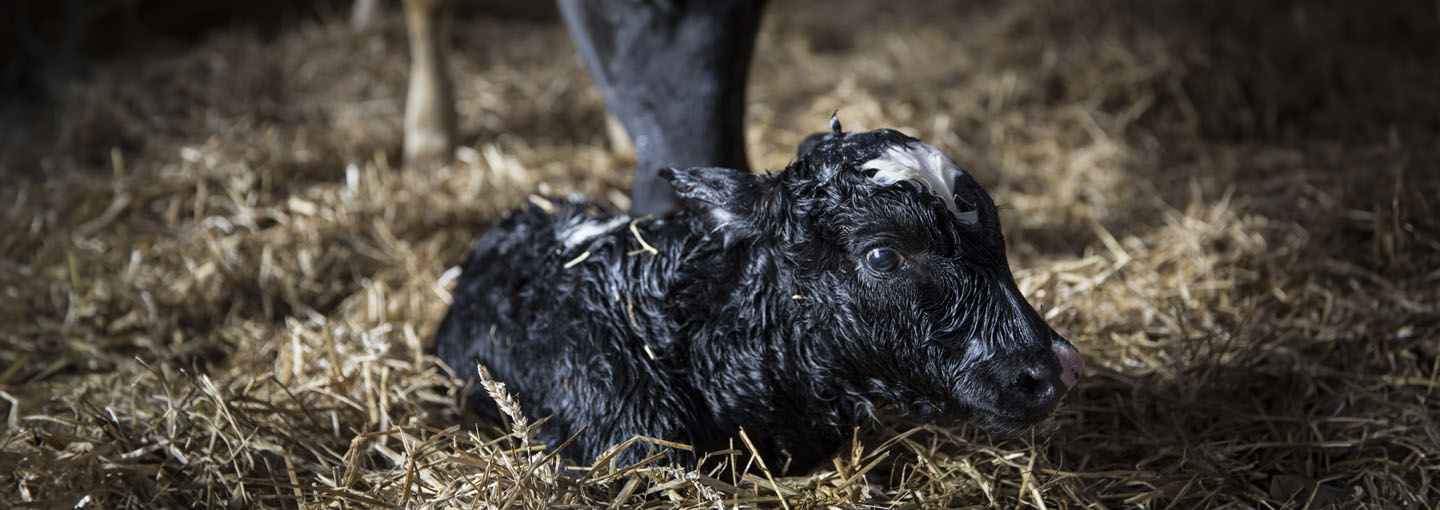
(1071, 364)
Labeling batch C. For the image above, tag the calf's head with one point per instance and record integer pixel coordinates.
(892, 267)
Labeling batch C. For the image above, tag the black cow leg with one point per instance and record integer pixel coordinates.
(674, 73)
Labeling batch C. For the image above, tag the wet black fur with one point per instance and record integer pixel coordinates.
(758, 310)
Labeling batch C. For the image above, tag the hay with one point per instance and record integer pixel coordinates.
(217, 290)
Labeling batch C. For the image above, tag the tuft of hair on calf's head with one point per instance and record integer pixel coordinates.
(869, 274)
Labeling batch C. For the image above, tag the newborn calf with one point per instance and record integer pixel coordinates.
(870, 274)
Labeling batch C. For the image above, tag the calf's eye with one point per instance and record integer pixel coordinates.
(883, 259)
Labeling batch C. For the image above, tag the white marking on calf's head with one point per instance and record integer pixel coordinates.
(922, 163)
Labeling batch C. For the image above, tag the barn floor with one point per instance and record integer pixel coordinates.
(216, 286)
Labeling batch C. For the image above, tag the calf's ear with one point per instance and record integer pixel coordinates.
(724, 198)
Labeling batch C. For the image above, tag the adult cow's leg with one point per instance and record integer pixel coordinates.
(363, 14)
(430, 102)
(674, 72)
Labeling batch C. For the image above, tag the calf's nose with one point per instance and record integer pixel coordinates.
(1071, 364)
(1038, 383)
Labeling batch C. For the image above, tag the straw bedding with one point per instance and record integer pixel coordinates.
(217, 287)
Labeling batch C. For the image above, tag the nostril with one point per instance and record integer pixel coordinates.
(1036, 383)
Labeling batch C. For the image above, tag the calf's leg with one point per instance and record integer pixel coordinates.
(674, 72)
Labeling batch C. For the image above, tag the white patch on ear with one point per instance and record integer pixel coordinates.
(922, 163)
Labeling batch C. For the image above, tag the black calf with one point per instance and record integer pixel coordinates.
(869, 274)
